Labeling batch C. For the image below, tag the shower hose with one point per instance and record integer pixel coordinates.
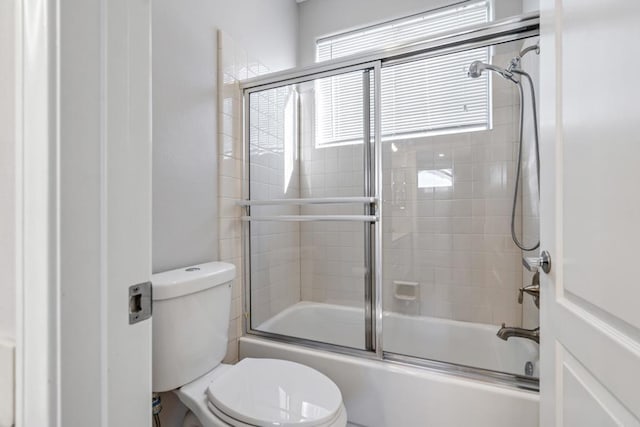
(514, 236)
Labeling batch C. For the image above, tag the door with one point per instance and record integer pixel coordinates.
(590, 213)
(310, 226)
(84, 197)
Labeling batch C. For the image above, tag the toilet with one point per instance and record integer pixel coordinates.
(190, 331)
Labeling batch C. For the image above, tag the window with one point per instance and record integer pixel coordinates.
(419, 98)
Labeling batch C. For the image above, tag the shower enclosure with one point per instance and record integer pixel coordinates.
(377, 214)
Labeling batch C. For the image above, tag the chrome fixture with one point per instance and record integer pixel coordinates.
(308, 201)
(528, 368)
(526, 50)
(475, 70)
(533, 289)
(507, 332)
(302, 218)
(140, 302)
(515, 62)
(533, 264)
(368, 201)
(156, 408)
(477, 67)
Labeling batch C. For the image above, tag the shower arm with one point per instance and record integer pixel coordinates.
(515, 62)
(526, 50)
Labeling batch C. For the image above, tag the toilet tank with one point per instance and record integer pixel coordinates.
(190, 322)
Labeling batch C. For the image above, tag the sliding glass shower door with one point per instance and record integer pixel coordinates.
(310, 208)
(451, 271)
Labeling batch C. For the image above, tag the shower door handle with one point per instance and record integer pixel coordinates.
(543, 262)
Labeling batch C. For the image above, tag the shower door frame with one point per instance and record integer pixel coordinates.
(493, 33)
(371, 200)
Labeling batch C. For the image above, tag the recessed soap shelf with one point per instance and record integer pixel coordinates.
(405, 291)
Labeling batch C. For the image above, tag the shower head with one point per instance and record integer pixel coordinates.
(477, 67)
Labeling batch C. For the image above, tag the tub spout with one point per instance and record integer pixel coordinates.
(507, 332)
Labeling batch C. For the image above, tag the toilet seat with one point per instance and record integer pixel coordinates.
(339, 420)
(265, 392)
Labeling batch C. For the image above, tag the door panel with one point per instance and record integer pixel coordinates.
(590, 205)
(84, 212)
(583, 333)
(601, 150)
(587, 401)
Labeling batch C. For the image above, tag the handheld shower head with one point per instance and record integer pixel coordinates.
(477, 67)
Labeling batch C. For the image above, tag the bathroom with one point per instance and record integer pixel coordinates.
(385, 208)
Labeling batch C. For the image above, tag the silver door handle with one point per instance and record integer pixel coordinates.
(543, 262)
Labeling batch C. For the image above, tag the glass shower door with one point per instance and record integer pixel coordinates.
(310, 209)
(451, 271)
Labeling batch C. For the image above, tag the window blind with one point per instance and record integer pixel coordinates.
(423, 97)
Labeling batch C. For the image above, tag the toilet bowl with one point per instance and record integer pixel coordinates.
(190, 324)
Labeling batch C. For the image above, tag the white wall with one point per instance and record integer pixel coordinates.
(7, 170)
(194, 183)
(185, 212)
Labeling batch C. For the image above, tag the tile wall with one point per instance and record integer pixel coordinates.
(332, 252)
(274, 172)
(275, 246)
(452, 242)
(233, 65)
(530, 201)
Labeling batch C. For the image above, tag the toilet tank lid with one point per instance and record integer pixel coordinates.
(189, 280)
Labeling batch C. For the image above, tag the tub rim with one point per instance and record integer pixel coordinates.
(477, 375)
(487, 376)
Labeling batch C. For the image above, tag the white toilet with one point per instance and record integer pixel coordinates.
(190, 329)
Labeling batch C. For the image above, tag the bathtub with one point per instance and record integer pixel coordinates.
(462, 343)
(382, 393)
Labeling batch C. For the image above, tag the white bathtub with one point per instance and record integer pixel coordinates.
(385, 394)
(462, 343)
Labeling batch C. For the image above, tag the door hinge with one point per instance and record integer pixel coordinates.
(140, 302)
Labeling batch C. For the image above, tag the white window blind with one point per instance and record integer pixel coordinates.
(423, 97)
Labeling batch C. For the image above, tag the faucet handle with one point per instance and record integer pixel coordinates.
(533, 290)
(542, 262)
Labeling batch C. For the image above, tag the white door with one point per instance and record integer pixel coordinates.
(85, 210)
(590, 213)
(127, 220)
